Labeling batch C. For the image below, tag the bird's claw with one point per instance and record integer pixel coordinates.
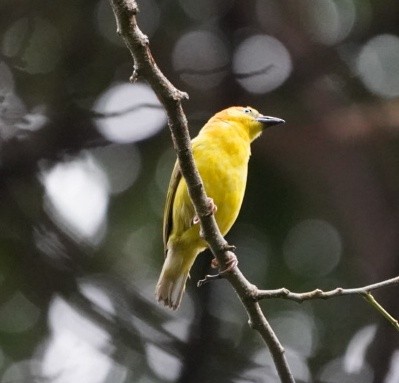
(211, 206)
(212, 210)
(207, 279)
(230, 248)
(231, 263)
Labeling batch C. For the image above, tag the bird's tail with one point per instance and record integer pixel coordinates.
(172, 281)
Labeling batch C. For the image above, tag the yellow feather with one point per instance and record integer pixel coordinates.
(221, 152)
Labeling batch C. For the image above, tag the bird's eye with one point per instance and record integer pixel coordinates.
(247, 110)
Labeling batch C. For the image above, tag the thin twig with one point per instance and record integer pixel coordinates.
(364, 291)
(370, 299)
(320, 294)
(144, 65)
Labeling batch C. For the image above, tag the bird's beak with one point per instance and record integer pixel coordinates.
(269, 121)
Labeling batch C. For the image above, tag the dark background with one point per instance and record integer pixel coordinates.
(85, 160)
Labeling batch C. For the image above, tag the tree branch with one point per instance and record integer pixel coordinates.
(258, 295)
(144, 65)
(370, 299)
(320, 294)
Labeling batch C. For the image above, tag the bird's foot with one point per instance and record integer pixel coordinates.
(231, 261)
(212, 210)
(211, 206)
(230, 264)
(207, 279)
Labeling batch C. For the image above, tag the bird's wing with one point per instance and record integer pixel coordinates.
(170, 197)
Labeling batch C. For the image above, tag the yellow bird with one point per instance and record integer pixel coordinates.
(221, 152)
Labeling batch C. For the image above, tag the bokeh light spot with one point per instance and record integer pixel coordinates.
(378, 65)
(179, 327)
(329, 22)
(36, 43)
(355, 355)
(63, 317)
(250, 240)
(393, 373)
(121, 163)
(18, 314)
(94, 292)
(261, 63)
(22, 371)
(312, 247)
(299, 366)
(129, 113)
(33, 120)
(265, 371)
(197, 68)
(165, 365)
(77, 197)
(296, 330)
(70, 358)
(334, 372)
(13, 112)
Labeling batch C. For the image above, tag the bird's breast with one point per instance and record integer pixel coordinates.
(224, 173)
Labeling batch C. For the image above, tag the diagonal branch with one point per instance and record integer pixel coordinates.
(144, 65)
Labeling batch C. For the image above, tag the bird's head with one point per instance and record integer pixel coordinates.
(247, 119)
